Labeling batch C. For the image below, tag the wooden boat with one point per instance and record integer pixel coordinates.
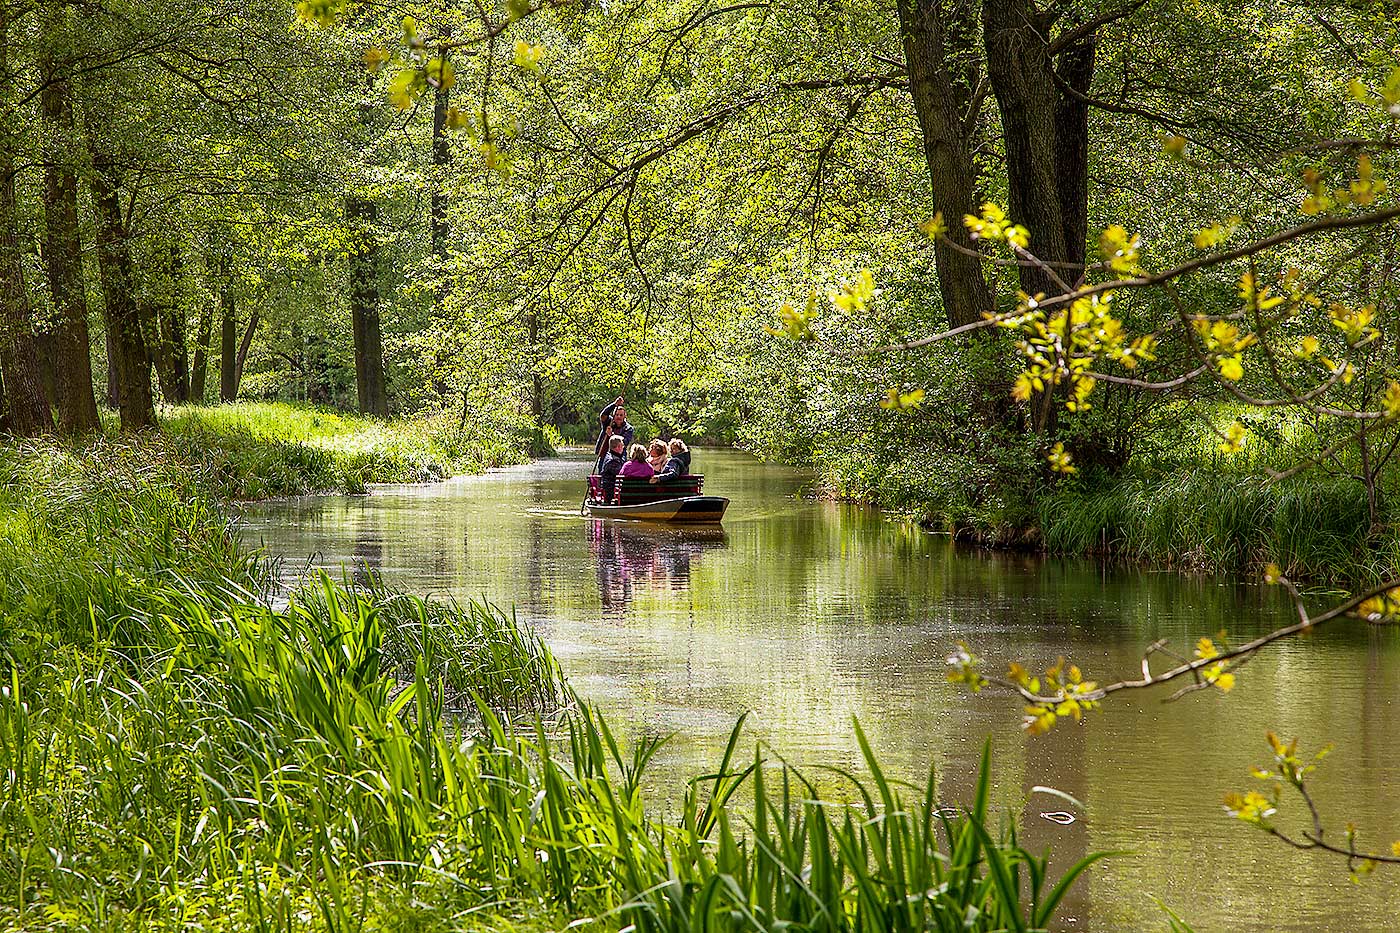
(677, 500)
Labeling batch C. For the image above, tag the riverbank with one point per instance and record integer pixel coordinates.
(177, 750)
(1187, 506)
(254, 450)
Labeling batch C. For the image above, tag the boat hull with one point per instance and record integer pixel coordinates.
(689, 509)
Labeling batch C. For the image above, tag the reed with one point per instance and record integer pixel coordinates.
(1313, 526)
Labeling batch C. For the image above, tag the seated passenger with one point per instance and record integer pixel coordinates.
(636, 466)
(681, 452)
(675, 467)
(657, 454)
(612, 465)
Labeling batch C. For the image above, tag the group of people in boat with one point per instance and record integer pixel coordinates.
(619, 456)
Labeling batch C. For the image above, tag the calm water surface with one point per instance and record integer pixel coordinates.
(810, 613)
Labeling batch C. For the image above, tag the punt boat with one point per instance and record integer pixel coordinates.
(677, 500)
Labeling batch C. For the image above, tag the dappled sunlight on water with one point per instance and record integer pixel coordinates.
(809, 613)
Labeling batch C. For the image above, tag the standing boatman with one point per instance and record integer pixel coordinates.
(612, 423)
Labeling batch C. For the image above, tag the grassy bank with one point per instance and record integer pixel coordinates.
(252, 450)
(1313, 527)
(177, 753)
(1180, 502)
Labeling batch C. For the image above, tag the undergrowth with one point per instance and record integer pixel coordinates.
(1179, 501)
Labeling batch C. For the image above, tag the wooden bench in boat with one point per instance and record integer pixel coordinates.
(631, 491)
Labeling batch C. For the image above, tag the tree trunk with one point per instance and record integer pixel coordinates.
(199, 372)
(1046, 130)
(935, 43)
(243, 346)
(177, 327)
(150, 336)
(114, 376)
(442, 157)
(129, 355)
(228, 337)
(27, 406)
(69, 340)
(1047, 149)
(1019, 66)
(45, 346)
(532, 325)
(1076, 69)
(172, 354)
(362, 214)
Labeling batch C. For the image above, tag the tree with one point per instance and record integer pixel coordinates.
(69, 338)
(27, 407)
(131, 359)
(361, 215)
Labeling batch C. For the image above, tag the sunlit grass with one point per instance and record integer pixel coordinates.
(1203, 520)
(251, 450)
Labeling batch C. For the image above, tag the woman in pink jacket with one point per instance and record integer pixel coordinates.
(637, 466)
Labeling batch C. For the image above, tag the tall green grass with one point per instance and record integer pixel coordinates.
(241, 790)
(1313, 526)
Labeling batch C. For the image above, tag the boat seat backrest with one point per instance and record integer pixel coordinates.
(633, 491)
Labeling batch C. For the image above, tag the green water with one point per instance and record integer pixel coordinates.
(809, 613)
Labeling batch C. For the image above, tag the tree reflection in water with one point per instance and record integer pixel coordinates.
(635, 556)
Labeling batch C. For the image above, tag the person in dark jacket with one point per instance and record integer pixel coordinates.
(612, 422)
(610, 466)
(680, 452)
(677, 464)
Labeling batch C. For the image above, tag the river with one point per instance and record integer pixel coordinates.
(808, 613)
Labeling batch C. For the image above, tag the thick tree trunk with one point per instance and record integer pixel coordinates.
(128, 351)
(1019, 66)
(1046, 136)
(935, 43)
(1046, 130)
(27, 405)
(1076, 68)
(228, 343)
(199, 371)
(362, 214)
(69, 338)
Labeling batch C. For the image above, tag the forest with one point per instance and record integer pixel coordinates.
(443, 211)
(1109, 279)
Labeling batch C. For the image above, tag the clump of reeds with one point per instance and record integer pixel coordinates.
(1203, 520)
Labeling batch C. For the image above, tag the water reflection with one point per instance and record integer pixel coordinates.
(632, 556)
